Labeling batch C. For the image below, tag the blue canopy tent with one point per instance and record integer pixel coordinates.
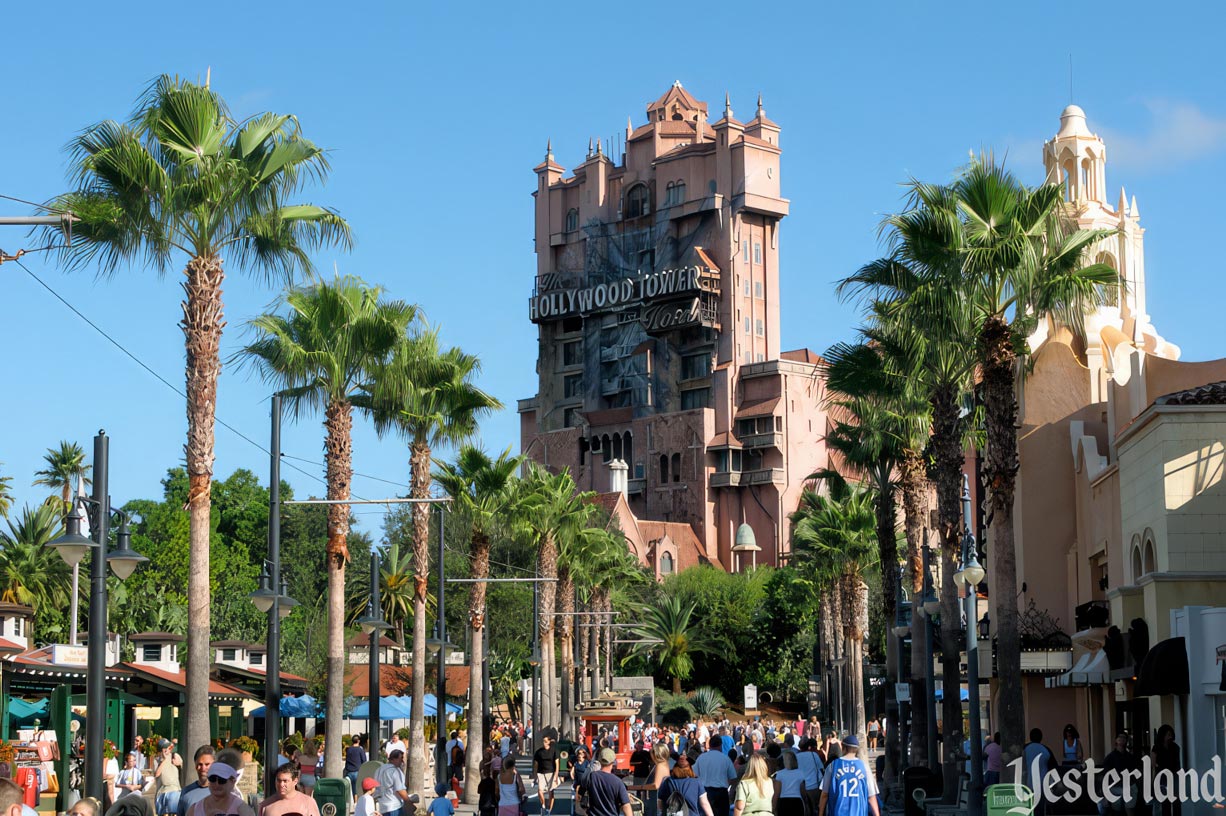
(390, 708)
(24, 714)
(432, 706)
(940, 695)
(304, 706)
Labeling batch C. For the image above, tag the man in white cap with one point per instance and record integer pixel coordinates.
(849, 786)
(391, 796)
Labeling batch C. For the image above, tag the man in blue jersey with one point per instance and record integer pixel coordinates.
(849, 786)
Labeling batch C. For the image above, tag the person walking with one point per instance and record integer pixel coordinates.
(810, 763)
(487, 788)
(1073, 754)
(789, 798)
(365, 805)
(166, 771)
(1166, 757)
(355, 757)
(288, 799)
(717, 773)
(993, 761)
(1038, 761)
(308, 764)
(545, 768)
(683, 788)
(391, 795)
(607, 794)
(511, 794)
(222, 799)
(455, 756)
(848, 788)
(873, 728)
(130, 780)
(755, 791)
(199, 789)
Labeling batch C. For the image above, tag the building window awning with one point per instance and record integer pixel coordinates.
(1092, 669)
(1164, 670)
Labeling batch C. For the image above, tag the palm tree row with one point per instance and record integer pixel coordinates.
(973, 267)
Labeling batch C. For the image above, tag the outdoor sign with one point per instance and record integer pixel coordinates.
(751, 697)
(1004, 800)
(1221, 653)
(65, 655)
(902, 692)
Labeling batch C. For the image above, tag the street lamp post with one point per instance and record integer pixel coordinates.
(374, 625)
(931, 606)
(971, 574)
(902, 628)
(72, 547)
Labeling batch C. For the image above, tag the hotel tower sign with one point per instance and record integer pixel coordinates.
(670, 298)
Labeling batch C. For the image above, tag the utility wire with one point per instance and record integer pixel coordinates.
(176, 390)
(34, 204)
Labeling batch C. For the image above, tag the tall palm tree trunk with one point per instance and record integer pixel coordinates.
(419, 465)
(480, 556)
(886, 512)
(606, 606)
(338, 459)
(855, 657)
(999, 367)
(548, 568)
(202, 324)
(912, 480)
(947, 471)
(566, 629)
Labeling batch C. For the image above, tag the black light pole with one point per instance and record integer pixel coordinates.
(95, 682)
(536, 667)
(971, 574)
(441, 761)
(372, 624)
(902, 628)
(931, 606)
(272, 680)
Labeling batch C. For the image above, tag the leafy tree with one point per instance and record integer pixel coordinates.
(672, 637)
(320, 354)
(486, 490)
(63, 466)
(183, 178)
(6, 495)
(426, 394)
(30, 572)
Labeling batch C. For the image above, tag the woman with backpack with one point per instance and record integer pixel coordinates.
(682, 794)
(511, 795)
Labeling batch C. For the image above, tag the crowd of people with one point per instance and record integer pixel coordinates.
(702, 769)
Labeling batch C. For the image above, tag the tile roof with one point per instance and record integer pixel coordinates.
(397, 680)
(170, 637)
(689, 549)
(1208, 394)
(178, 681)
(10, 646)
(803, 355)
(724, 439)
(362, 639)
(764, 407)
(706, 259)
(609, 416)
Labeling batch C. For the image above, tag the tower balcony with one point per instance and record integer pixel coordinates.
(764, 476)
(762, 440)
(726, 479)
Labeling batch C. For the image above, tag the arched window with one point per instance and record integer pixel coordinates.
(668, 194)
(1085, 179)
(582, 450)
(676, 467)
(628, 450)
(572, 220)
(1111, 297)
(679, 193)
(1069, 170)
(1136, 563)
(617, 446)
(666, 564)
(638, 201)
(606, 449)
(664, 468)
(1151, 562)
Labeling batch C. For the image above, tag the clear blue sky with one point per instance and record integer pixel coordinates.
(436, 114)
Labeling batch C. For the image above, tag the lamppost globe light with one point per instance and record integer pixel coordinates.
(902, 630)
(932, 605)
(372, 622)
(72, 546)
(263, 597)
(285, 604)
(971, 573)
(123, 559)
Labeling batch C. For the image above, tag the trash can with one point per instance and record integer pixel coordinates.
(566, 750)
(333, 796)
(1003, 800)
(918, 778)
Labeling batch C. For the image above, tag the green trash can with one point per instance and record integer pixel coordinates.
(333, 796)
(566, 750)
(1009, 800)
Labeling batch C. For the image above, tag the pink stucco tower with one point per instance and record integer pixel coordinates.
(656, 298)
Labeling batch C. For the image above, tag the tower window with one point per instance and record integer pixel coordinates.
(747, 325)
(679, 193)
(229, 654)
(693, 398)
(572, 220)
(572, 353)
(570, 417)
(669, 192)
(638, 201)
(151, 653)
(759, 327)
(695, 365)
(757, 253)
(676, 467)
(572, 386)
(666, 564)
(664, 468)
(745, 250)
(757, 289)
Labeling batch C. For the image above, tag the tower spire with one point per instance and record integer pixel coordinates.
(549, 150)
(727, 105)
(589, 147)
(1121, 209)
(761, 113)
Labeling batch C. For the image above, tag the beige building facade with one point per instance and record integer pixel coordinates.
(656, 299)
(1121, 514)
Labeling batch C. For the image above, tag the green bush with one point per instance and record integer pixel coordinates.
(673, 709)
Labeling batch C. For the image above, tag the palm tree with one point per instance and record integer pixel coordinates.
(1022, 264)
(395, 590)
(924, 327)
(673, 636)
(606, 571)
(427, 395)
(6, 496)
(63, 466)
(834, 538)
(573, 551)
(552, 511)
(182, 177)
(319, 355)
(885, 438)
(484, 490)
(32, 573)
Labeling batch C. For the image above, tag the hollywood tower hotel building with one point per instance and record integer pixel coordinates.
(662, 383)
